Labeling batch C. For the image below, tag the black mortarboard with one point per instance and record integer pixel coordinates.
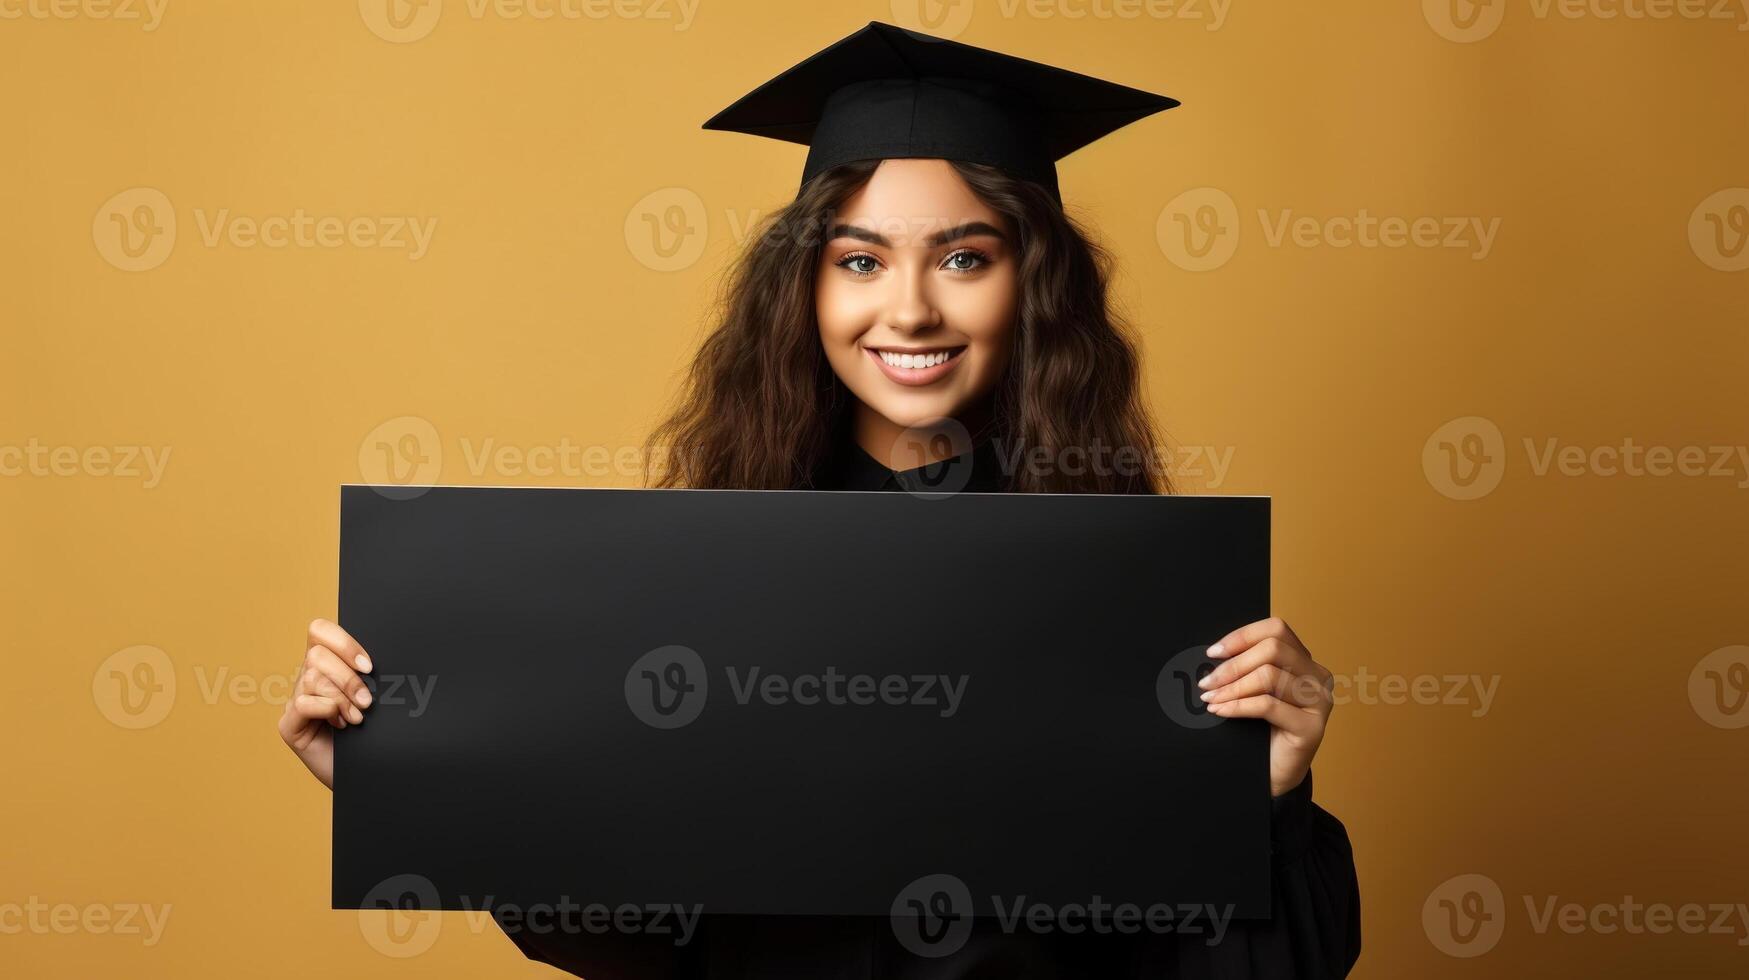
(888, 92)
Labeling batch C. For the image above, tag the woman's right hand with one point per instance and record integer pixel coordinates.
(329, 694)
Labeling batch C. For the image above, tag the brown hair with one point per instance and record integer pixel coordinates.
(762, 409)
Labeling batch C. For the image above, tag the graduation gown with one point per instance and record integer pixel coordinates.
(1313, 930)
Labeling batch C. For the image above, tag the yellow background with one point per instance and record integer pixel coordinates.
(535, 317)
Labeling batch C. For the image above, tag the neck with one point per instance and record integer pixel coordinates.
(900, 447)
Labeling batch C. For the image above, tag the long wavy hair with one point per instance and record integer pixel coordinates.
(761, 408)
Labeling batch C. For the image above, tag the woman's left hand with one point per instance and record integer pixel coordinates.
(1266, 673)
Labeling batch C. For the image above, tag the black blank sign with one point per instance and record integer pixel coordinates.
(745, 700)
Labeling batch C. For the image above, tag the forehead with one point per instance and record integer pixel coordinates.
(911, 198)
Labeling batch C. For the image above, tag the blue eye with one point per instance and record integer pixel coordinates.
(972, 260)
(861, 264)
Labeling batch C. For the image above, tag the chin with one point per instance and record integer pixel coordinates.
(917, 413)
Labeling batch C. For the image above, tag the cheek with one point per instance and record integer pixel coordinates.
(839, 312)
(985, 313)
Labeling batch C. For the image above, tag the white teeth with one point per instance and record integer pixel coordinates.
(914, 361)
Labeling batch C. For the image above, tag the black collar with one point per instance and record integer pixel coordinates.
(976, 471)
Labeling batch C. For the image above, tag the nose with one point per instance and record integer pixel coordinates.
(910, 308)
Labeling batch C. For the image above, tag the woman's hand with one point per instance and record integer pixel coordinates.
(1267, 673)
(329, 694)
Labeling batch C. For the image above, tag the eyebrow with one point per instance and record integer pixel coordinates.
(939, 238)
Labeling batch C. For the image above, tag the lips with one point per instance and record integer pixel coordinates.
(915, 366)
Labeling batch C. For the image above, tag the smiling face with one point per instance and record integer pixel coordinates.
(915, 297)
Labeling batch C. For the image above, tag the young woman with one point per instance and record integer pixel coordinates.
(924, 316)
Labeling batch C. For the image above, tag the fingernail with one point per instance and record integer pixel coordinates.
(1208, 695)
(364, 663)
(363, 698)
(1217, 650)
(356, 715)
(1207, 682)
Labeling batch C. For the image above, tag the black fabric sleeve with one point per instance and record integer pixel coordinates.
(1314, 927)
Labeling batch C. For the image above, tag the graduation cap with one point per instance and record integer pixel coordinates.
(887, 92)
